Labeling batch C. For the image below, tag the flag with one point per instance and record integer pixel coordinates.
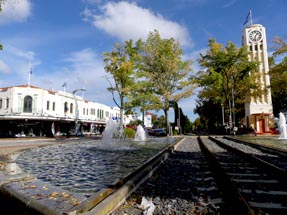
(248, 18)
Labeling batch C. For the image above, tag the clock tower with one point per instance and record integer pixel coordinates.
(258, 110)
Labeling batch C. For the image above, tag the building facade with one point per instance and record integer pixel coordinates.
(258, 110)
(32, 111)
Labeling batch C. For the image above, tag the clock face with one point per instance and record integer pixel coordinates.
(255, 35)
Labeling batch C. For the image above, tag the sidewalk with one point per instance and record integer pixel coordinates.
(11, 145)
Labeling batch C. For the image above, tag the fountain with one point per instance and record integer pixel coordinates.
(87, 166)
(282, 126)
(140, 134)
(111, 134)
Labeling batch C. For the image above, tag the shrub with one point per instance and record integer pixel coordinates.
(129, 133)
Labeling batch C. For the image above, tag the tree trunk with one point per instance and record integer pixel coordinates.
(167, 127)
(121, 117)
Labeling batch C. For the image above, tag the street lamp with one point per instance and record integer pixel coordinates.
(178, 122)
(82, 89)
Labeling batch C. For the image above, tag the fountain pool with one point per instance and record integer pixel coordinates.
(86, 167)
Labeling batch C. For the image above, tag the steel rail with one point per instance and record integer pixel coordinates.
(237, 203)
(265, 167)
(272, 169)
(263, 148)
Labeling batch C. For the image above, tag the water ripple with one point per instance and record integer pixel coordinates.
(86, 167)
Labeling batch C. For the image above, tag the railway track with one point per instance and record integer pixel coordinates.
(198, 175)
(213, 177)
(258, 184)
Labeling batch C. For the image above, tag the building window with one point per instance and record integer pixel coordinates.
(66, 107)
(28, 104)
(7, 103)
(1, 101)
(84, 111)
(71, 108)
(48, 105)
(54, 106)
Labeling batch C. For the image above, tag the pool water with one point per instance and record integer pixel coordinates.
(87, 167)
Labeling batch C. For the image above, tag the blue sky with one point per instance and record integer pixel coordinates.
(64, 39)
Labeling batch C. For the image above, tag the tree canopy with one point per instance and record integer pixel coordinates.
(278, 76)
(227, 78)
(167, 73)
(148, 74)
(120, 65)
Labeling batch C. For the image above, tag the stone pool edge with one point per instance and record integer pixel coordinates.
(48, 199)
(41, 196)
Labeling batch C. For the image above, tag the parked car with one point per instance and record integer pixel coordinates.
(158, 132)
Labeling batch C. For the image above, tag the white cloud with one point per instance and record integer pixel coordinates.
(15, 11)
(83, 69)
(24, 54)
(92, 1)
(14, 64)
(4, 68)
(229, 3)
(86, 70)
(126, 21)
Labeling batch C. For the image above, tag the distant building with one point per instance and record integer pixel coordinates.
(29, 110)
(258, 110)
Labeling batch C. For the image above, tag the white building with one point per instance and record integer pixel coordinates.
(30, 110)
(259, 111)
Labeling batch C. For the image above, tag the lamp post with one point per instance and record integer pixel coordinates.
(233, 107)
(178, 122)
(76, 108)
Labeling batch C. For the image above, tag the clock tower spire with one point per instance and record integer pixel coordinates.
(258, 110)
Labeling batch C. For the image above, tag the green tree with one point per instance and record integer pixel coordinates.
(120, 65)
(168, 75)
(210, 114)
(142, 95)
(228, 77)
(278, 76)
(159, 122)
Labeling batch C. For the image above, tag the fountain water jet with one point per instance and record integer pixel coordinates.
(282, 126)
(140, 134)
(112, 134)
